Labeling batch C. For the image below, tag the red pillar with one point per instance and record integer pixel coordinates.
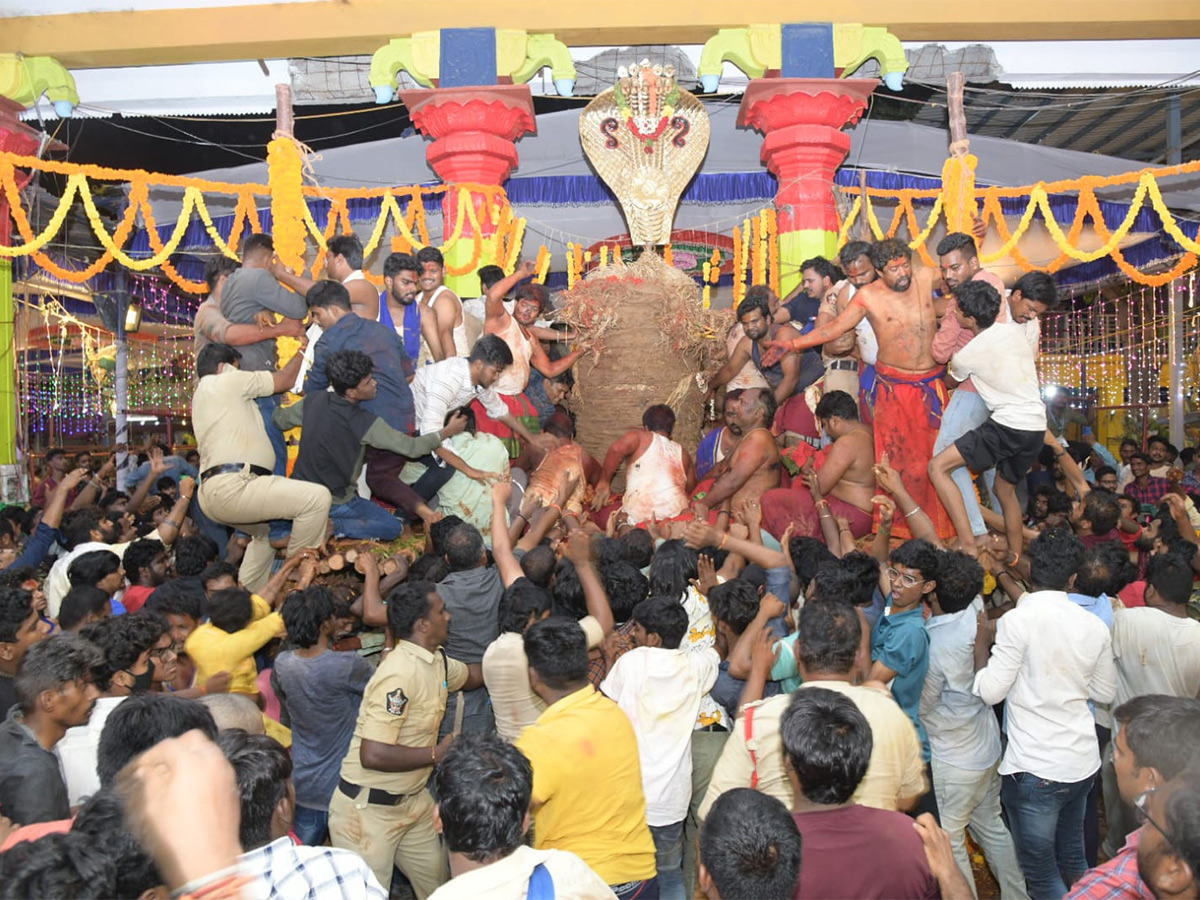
(802, 119)
(474, 131)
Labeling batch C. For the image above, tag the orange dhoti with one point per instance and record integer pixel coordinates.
(907, 415)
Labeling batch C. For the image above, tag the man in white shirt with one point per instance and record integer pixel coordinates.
(1000, 363)
(1157, 647)
(1032, 296)
(1050, 658)
(828, 654)
(83, 530)
(659, 686)
(964, 736)
(484, 786)
(447, 385)
(127, 643)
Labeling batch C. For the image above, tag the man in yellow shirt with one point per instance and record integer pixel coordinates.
(587, 778)
(239, 624)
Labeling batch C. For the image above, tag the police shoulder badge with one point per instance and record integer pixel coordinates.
(397, 702)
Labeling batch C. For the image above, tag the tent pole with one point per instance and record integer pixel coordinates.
(122, 381)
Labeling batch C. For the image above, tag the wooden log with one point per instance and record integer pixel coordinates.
(337, 561)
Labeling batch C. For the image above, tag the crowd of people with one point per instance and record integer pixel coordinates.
(897, 605)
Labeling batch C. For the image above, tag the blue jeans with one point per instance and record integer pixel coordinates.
(965, 412)
(363, 520)
(310, 825)
(1046, 819)
(267, 406)
(280, 528)
(668, 858)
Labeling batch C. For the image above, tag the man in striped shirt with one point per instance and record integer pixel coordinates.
(443, 387)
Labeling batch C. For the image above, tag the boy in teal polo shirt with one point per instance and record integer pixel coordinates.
(899, 641)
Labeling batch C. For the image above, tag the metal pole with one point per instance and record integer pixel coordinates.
(1175, 338)
(1174, 131)
(1175, 355)
(122, 380)
(8, 368)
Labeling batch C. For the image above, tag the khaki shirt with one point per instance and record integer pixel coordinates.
(896, 769)
(403, 704)
(226, 421)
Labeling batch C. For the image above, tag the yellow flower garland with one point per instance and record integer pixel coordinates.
(294, 224)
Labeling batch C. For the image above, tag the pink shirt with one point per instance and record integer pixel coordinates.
(952, 337)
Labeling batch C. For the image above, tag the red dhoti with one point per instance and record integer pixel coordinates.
(794, 506)
(908, 413)
(794, 416)
(521, 409)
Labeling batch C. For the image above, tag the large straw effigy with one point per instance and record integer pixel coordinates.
(650, 339)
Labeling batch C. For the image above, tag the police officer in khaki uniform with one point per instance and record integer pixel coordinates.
(381, 808)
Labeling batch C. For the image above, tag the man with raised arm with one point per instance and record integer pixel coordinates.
(909, 395)
(246, 295)
(515, 329)
(237, 487)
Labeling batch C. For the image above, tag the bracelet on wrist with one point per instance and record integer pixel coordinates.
(913, 512)
(724, 541)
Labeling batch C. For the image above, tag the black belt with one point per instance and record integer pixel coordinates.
(227, 468)
(847, 365)
(375, 796)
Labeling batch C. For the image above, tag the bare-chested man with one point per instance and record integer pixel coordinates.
(660, 475)
(439, 301)
(564, 473)
(343, 264)
(516, 330)
(909, 394)
(754, 467)
(788, 374)
(845, 480)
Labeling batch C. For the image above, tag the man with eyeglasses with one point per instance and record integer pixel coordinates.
(1155, 738)
(1162, 858)
(899, 641)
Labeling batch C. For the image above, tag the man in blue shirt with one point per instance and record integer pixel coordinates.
(899, 641)
(329, 305)
(964, 735)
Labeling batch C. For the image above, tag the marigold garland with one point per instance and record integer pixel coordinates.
(412, 229)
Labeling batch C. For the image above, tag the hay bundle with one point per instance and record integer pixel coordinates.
(650, 338)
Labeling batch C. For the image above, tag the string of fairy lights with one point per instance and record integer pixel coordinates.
(66, 370)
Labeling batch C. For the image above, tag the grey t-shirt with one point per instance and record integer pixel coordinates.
(473, 600)
(248, 292)
(321, 695)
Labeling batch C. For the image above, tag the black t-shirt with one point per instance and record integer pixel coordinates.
(803, 310)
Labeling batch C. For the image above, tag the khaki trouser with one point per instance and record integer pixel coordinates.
(402, 835)
(248, 502)
(841, 379)
(706, 750)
